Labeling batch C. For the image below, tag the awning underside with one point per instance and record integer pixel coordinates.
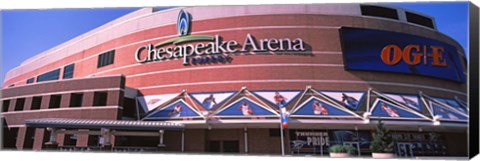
(108, 124)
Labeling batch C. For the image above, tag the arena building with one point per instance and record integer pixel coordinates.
(215, 78)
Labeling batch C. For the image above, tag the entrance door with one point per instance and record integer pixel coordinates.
(356, 145)
(231, 146)
(215, 146)
(224, 146)
(404, 150)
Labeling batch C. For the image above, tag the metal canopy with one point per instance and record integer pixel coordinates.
(109, 124)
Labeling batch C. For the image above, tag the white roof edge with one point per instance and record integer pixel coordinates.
(139, 12)
(206, 13)
(201, 13)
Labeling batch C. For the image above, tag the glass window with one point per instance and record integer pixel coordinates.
(106, 58)
(52, 75)
(55, 101)
(36, 103)
(31, 80)
(19, 104)
(68, 71)
(76, 99)
(5, 105)
(100, 99)
(378, 11)
(419, 19)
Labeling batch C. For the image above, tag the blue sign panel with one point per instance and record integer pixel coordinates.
(244, 107)
(350, 100)
(379, 50)
(384, 109)
(453, 104)
(175, 110)
(319, 108)
(447, 114)
(278, 98)
(211, 100)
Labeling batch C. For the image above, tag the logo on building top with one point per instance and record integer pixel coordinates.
(206, 49)
(183, 23)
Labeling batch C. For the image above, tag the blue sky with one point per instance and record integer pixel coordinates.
(26, 33)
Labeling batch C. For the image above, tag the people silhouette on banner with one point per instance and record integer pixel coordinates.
(390, 111)
(246, 109)
(209, 102)
(349, 101)
(280, 100)
(319, 109)
(176, 111)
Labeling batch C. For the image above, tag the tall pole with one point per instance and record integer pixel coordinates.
(281, 137)
(245, 134)
(183, 140)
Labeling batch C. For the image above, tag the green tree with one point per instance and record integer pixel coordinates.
(382, 142)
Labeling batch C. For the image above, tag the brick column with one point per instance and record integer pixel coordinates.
(112, 139)
(11, 106)
(60, 138)
(21, 137)
(45, 102)
(82, 137)
(28, 103)
(65, 102)
(114, 98)
(88, 99)
(38, 141)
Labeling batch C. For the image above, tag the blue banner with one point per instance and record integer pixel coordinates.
(444, 113)
(175, 110)
(384, 109)
(387, 51)
(316, 107)
(244, 107)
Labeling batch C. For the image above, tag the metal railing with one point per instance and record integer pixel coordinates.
(113, 149)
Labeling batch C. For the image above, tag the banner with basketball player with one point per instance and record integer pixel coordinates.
(245, 107)
(278, 98)
(385, 109)
(407, 100)
(447, 113)
(317, 108)
(452, 103)
(211, 100)
(177, 109)
(350, 100)
(151, 102)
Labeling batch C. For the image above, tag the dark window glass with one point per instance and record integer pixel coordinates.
(274, 132)
(55, 101)
(419, 19)
(106, 58)
(31, 80)
(76, 99)
(129, 108)
(11, 85)
(5, 105)
(68, 71)
(19, 104)
(52, 75)
(70, 140)
(378, 11)
(29, 138)
(36, 103)
(100, 99)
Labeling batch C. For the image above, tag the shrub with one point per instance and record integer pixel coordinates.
(381, 140)
(342, 149)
